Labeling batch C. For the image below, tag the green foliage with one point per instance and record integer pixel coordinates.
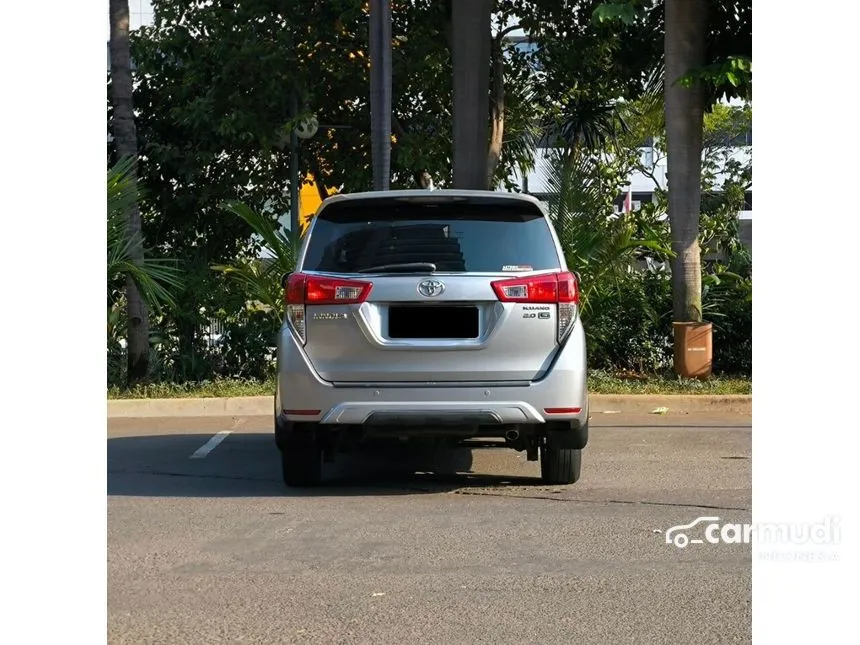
(250, 333)
(733, 71)
(218, 77)
(620, 10)
(599, 246)
(213, 87)
(623, 288)
(623, 259)
(727, 302)
(260, 278)
(628, 324)
(602, 382)
(220, 387)
(727, 271)
(728, 70)
(246, 346)
(230, 335)
(599, 382)
(728, 41)
(213, 84)
(723, 124)
(628, 329)
(156, 278)
(585, 67)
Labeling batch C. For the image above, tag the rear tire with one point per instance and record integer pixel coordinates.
(301, 460)
(281, 434)
(560, 465)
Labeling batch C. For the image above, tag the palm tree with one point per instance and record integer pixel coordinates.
(600, 248)
(155, 279)
(470, 51)
(380, 92)
(261, 279)
(590, 123)
(685, 108)
(125, 139)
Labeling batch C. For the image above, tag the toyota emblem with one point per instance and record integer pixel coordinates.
(431, 288)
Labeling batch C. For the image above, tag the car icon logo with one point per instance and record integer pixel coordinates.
(431, 288)
(677, 534)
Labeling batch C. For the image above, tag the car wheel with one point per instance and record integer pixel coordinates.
(560, 465)
(280, 435)
(301, 460)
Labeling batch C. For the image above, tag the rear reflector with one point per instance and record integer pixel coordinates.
(296, 316)
(309, 413)
(562, 410)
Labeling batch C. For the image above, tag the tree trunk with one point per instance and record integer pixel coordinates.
(380, 92)
(685, 106)
(125, 139)
(295, 171)
(471, 67)
(497, 109)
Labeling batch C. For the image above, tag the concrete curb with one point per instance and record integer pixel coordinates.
(239, 406)
(250, 406)
(740, 404)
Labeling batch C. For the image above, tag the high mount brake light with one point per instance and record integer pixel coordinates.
(560, 289)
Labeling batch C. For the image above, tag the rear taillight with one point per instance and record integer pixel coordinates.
(303, 289)
(535, 289)
(568, 299)
(560, 289)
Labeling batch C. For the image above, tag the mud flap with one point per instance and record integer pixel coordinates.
(571, 434)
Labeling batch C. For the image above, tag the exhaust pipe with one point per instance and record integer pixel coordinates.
(512, 435)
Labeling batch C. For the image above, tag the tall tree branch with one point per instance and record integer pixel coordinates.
(497, 108)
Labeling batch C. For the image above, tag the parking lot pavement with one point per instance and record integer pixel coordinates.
(205, 544)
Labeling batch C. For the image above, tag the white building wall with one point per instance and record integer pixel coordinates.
(536, 179)
(140, 13)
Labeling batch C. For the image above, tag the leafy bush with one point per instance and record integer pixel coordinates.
(624, 291)
(261, 279)
(623, 261)
(727, 267)
(627, 327)
(156, 278)
(626, 288)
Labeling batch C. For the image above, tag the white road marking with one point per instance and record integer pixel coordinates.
(210, 445)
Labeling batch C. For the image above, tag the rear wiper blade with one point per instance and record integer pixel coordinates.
(404, 267)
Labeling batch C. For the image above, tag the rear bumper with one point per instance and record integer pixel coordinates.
(561, 395)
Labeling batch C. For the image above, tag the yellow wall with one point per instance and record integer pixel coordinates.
(309, 201)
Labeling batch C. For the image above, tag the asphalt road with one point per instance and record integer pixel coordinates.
(457, 547)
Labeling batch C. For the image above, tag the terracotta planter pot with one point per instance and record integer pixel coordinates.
(693, 349)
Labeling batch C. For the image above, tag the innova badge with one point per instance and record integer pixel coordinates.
(431, 288)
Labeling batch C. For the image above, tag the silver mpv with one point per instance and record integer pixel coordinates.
(444, 314)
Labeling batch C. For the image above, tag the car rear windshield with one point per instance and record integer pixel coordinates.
(485, 238)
